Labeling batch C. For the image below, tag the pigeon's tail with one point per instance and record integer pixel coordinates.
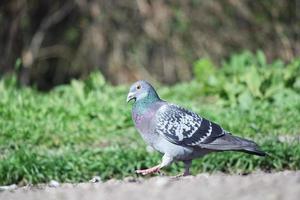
(229, 142)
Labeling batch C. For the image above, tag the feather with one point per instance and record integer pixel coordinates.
(181, 126)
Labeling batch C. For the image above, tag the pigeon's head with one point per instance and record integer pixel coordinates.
(141, 90)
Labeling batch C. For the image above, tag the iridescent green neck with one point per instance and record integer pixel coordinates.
(141, 105)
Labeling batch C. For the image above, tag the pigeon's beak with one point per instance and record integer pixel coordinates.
(130, 96)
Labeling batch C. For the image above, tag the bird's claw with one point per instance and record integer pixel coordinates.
(148, 171)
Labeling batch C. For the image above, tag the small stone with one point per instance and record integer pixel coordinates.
(95, 179)
(8, 187)
(54, 184)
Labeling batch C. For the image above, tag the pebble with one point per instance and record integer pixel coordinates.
(95, 179)
(8, 187)
(54, 184)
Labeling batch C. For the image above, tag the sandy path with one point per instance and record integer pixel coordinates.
(281, 185)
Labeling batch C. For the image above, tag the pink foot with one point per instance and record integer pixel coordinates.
(148, 171)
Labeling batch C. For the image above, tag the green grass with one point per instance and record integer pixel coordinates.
(84, 129)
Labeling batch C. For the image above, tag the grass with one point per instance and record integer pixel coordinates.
(84, 129)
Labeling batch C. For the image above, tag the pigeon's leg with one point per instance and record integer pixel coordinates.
(166, 160)
(187, 165)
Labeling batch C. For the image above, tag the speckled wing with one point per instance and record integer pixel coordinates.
(183, 127)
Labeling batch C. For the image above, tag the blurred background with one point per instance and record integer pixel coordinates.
(49, 42)
(66, 65)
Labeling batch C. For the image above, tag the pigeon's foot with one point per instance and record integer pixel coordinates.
(148, 171)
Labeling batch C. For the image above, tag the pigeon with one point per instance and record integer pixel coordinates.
(178, 133)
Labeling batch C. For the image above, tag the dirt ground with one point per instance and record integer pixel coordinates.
(256, 186)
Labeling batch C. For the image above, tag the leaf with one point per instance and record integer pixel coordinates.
(245, 100)
(253, 81)
(78, 88)
(261, 59)
(204, 70)
(96, 80)
(273, 89)
(296, 84)
(232, 89)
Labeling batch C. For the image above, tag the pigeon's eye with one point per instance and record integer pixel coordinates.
(138, 87)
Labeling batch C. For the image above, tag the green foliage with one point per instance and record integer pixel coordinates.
(204, 70)
(84, 129)
(247, 77)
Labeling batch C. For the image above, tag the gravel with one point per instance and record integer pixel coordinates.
(258, 186)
